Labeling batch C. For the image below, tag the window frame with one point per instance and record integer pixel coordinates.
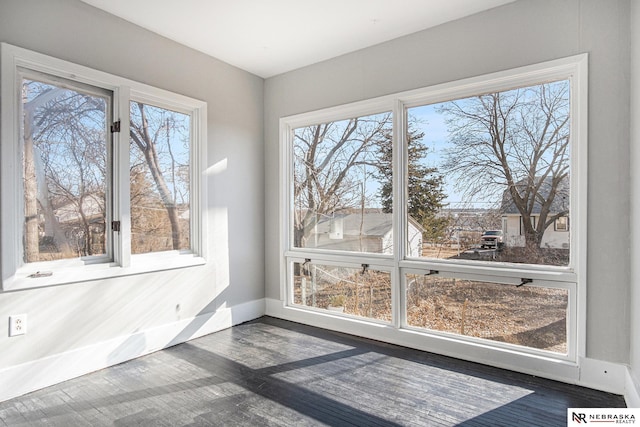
(119, 260)
(571, 325)
(195, 158)
(345, 264)
(534, 223)
(31, 74)
(311, 119)
(571, 277)
(564, 220)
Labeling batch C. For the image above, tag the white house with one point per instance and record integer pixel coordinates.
(556, 235)
(363, 232)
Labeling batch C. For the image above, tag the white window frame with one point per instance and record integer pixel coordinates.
(570, 287)
(571, 277)
(565, 226)
(345, 264)
(534, 222)
(120, 262)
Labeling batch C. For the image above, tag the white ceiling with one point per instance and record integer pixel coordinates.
(269, 37)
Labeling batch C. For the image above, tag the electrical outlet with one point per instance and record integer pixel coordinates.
(17, 324)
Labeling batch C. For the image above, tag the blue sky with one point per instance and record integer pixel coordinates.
(435, 138)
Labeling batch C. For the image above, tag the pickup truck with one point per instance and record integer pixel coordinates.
(491, 239)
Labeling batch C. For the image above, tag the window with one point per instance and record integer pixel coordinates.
(107, 171)
(562, 224)
(159, 179)
(355, 291)
(342, 182)
(64, 168)
(535, 317)
(532, 220)
(438, 209)
(475, 160)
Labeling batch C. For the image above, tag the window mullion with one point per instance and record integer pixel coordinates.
(120, 167)
(198, 162)
(399, 209)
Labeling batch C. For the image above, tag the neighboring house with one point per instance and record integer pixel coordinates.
(362, 232)
(467, 224)
(70, 221)
(555, 236)
(92, 206)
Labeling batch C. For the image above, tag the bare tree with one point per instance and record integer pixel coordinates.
(513, 144)
(146, 138)
(64, 166)
(330, 165)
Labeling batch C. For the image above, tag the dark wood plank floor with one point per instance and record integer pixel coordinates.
(271, 372)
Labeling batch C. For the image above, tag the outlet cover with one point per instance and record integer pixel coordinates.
(17, 324)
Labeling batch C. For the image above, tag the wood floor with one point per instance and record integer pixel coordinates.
(271, 372)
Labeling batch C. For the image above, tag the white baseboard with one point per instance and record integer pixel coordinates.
(631, 391)
(21, 379)
(596, 374)
(601, 375)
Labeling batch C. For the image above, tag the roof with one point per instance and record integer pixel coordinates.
(375, 224)
(559, 204)
(372, 223)
(92, 206)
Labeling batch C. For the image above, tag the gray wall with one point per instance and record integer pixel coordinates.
(71, 316)
(517, 34)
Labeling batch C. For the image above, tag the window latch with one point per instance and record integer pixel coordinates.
(115, 225)
(39, 274)
(115, 127)
(524, 281)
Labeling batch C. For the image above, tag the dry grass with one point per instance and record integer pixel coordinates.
(528, 316)
(365, 295)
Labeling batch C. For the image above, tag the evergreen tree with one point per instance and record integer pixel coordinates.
(425, 185)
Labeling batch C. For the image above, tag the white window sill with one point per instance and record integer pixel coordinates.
(75, 272)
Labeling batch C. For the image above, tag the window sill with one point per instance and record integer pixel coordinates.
(68, 274)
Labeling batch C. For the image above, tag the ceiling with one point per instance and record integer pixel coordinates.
(269, 37)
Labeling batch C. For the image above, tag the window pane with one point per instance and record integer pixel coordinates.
(499, 170)
(65, 171)
(342, 183)
(343, 289)
(159, 177)
(529, 316)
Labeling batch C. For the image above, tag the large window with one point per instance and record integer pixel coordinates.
(492, 164)
(65, 161)
(354, 291)
(532, 316)
(97, 172)
(445, 211)
(159, 179)
(342, 182)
